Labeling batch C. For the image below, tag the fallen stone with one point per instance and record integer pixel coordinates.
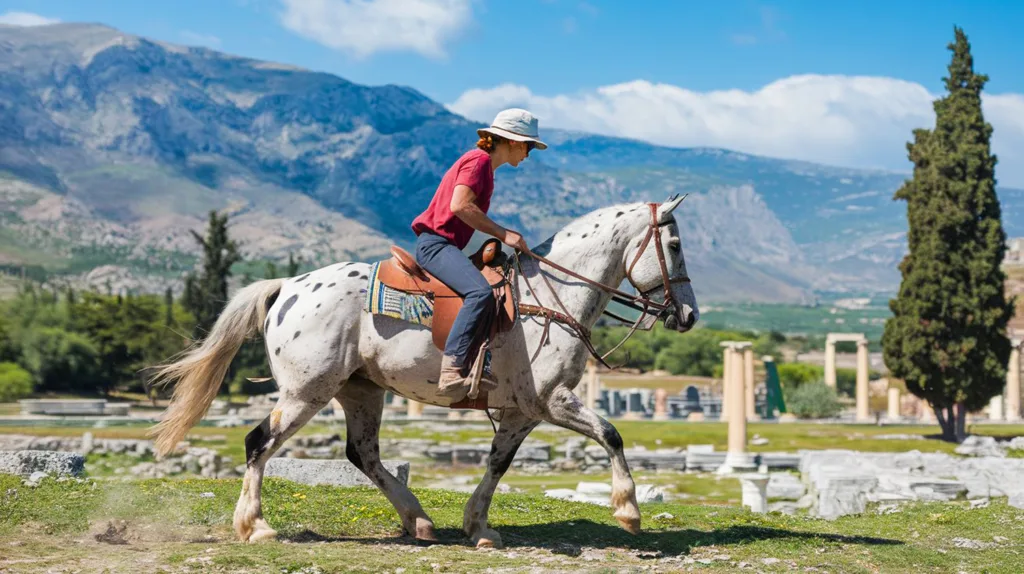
(843, 493)
(785, 486)
(888, 509)
(35, 478)
(970, 544)
(594, 488)
(899, 437)
(25, 462)
(780, 460)
(976, 445)
(331, 472)
(1016, 500)
(784, 506)
(646, 493)
(656, 460)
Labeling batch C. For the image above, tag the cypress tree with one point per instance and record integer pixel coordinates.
(947, 338)
(206, 294)
(293, 265)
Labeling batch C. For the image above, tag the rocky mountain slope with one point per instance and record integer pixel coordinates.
(112, 147)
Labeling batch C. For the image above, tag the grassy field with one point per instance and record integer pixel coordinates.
(184, 526)
(781, 437)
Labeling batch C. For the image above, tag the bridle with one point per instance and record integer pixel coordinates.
(641, 301)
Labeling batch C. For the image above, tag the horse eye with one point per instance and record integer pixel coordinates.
(674, 245)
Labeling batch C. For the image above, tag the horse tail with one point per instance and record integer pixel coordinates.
(200, 369)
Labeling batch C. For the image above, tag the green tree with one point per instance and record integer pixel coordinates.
(947, 338)
(63, 361)
(15, 382)
(206, 293)
(293, 265)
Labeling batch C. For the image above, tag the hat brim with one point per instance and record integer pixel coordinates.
(511, 136)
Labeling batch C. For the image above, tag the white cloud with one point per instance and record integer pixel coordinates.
(363, 27)
(850, 121)
(195, 38)
(25, 19)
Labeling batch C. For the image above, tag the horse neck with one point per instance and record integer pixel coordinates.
(593, 252)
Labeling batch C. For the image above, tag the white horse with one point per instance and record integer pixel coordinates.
(322, 344)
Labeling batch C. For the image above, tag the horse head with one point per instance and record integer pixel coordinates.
(656, 267)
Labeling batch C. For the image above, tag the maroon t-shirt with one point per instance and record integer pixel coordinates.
(473, 169)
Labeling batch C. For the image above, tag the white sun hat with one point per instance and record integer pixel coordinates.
(515, 124)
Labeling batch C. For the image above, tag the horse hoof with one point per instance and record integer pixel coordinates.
(425, 531)
(629, 524)
(489, 539)
(261, 531)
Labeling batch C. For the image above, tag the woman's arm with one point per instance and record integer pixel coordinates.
(464, 207)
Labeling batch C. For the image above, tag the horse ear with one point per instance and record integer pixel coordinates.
(666, 208)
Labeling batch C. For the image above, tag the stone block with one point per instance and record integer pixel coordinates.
(656, 460)
(594, 488)
(331, 472)
(843, 496)
(785, 486)
(25, 462)
(646, 493)
(976, 445)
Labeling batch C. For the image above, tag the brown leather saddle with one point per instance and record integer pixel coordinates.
(402, 273)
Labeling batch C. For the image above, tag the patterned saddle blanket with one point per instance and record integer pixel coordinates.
(382, 299)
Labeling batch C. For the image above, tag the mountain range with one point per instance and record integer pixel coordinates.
(114, 146)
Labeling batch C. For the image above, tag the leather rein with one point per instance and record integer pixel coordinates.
(639, 302)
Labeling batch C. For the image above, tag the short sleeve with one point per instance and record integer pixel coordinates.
(473, 174)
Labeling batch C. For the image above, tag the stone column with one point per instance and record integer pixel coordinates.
(414, 409)
(593, 385)
(754, 492)
(927, 412)
(736, 458)
(995, 408)
(748, 382)
(661, 405)
(726, 371)
(894, 404)
(1013, 384)
(830, 362)
(863, 409)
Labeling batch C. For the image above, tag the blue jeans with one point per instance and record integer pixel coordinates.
(448, 263)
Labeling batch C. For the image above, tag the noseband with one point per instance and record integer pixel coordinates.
(641, 301)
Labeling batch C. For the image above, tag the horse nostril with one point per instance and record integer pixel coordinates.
(690, 320)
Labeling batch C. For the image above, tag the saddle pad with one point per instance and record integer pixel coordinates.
(384, 300)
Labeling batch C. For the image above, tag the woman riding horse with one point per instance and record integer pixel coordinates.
(458, 208)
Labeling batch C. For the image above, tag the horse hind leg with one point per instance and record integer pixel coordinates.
(292, 411)
(514, 428)
(363, 402)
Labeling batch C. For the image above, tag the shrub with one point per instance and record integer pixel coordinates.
(15, 382)
(793, 375)
(813, 401)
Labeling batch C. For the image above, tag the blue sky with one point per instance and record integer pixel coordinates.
(840, 82)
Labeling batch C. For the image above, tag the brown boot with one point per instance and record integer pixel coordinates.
(451, 382)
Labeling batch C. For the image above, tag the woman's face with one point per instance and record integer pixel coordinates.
(518, 151)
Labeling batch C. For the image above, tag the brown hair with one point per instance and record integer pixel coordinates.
(488, 142)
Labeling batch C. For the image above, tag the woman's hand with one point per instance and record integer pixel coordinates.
(515, 241)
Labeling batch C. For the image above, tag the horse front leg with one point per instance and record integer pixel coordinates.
(514, 427)
(565, 409)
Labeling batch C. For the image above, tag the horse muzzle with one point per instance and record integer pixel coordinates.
(673, 321)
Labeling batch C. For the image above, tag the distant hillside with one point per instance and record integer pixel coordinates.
(112, 147)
